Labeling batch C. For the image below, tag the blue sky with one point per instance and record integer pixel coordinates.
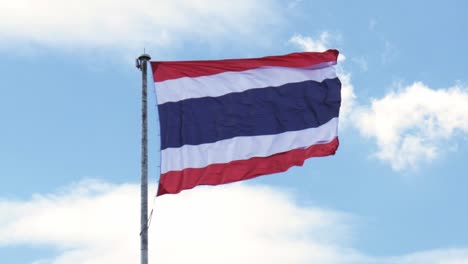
(395, 191)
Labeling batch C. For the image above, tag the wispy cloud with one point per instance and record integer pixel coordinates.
(389, 52)
(321, 43)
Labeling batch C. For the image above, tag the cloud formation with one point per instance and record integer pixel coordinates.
(95, 222)
(124, 24)
(98, 223)
(414, 124)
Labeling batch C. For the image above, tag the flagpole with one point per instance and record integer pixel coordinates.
(142, 65)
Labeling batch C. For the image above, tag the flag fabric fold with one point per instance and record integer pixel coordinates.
(223, 121)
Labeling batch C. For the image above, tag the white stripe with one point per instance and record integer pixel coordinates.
(240, 148)
(230, 82)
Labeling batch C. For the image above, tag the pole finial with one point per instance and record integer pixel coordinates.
(142, 59)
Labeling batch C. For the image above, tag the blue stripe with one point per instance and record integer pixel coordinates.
(263, 111)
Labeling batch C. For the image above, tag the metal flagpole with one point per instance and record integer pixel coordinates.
(142, 65)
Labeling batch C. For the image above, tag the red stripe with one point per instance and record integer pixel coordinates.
(167, 70)
(215, 174)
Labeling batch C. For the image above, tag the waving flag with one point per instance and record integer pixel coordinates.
(223, 121)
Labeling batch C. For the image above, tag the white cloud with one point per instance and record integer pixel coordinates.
(128, 24)
(98, 223)
(348, 98)
(414, 124)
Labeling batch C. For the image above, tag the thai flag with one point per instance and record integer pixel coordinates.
(223, 121)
